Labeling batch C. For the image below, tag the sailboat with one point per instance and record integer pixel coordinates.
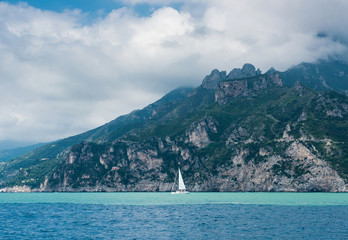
(182, 188)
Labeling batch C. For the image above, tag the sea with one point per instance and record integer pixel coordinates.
(173, 216)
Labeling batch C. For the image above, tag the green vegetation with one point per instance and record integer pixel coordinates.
(246, 123)
(34, 175)
(321, 76)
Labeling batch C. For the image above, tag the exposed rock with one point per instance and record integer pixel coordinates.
(245, 87)
(237, 136)
(334, 112)
(17, 189)
(319, 176)
(248, 70)
(160, 144)
(212, 81)
(72, 158)
(232, 89)
(185, 154)
(198, 136)
(299, 88)
(332, 107)
(198, 132)
(286, 137)
(303, 117)
(298, 170)
(264, 152)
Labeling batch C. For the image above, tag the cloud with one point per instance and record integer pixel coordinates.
(150, 2)
(61, 77)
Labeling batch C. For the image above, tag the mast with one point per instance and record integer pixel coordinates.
(181, 182)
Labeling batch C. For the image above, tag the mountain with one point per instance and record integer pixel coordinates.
(8, 154)
(42, 160)
(320, 76)
(242, 131)
(9, 144)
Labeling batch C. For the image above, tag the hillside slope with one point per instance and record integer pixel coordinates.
(9, 154)
(44, 159)
(321, 76)
(241, 131)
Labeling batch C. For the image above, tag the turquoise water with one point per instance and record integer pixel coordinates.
(166, 216)
(287, 199)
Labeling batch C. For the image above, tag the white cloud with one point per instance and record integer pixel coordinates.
(150, 2)
(59, 77)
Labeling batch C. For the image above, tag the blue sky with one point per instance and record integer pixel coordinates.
(84, 5)
(63, 72)
(93, 7)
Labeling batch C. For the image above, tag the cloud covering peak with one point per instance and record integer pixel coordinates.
(60, 76)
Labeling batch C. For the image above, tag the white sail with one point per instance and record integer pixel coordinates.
(182, 188)
(181, 182)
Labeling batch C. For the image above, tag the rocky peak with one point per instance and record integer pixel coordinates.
(248, 70)
(271, 70)
(212, 80)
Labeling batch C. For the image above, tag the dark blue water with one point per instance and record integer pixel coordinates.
(215, 221)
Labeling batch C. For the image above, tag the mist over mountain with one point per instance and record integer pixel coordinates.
(241, 131)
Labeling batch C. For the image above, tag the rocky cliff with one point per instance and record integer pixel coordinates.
(245, 87)
(240, 132)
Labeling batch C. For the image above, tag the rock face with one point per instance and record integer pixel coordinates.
(248, 70)
(240, 132)
(245, 87)
(148, 168)
(198, 133)
(16, 189)
(109, 167)
(213, 80)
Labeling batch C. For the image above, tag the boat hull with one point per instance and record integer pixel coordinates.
(180, 192)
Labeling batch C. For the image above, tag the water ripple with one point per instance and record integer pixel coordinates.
(176, 221)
